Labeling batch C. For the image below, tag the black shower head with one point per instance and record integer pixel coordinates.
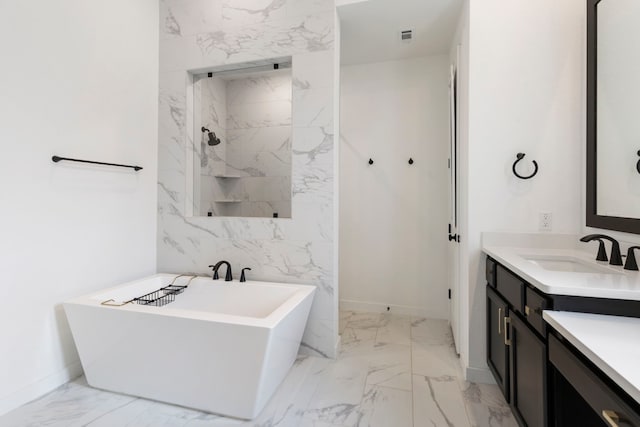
(213, 139)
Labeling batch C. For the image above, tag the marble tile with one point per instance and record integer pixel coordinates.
(366, 321)
(384, 407)
(370, 384)
(147, 413)
(259, 114)
(73, 404)
(438, 401)
(339, 393)
(300, 34)
(388, 365)
(313, 70)
(313, 107)
(179, 18)
(202, 34)
(238, 13)
(357, 342)
(431, 331)
(273, 138)
(304, 7)
(397, 330)
(268, 86)
(435, 360)
(486, 406)
(343, 318)
(490, 416)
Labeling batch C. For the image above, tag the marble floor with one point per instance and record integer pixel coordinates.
(392, 371)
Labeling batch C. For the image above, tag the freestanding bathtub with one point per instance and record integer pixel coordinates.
(221, 347)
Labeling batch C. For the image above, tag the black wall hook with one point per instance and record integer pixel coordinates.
(520, 156)
(370, 161)
(638, 164)
(410, 161)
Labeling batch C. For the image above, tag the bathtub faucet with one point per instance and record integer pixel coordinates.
(228, 277)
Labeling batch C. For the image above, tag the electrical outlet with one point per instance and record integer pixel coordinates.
(545, 221)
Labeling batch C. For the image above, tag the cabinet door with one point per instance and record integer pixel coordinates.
(497, 351)
(528, 374)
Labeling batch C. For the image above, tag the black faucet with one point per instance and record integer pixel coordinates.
(242, 277)
(630, 263)
(616, 258)
(228, 277)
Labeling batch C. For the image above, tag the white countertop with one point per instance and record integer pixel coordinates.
(612, 343)
(612, 282)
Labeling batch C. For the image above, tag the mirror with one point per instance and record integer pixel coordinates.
(242, 141)
(613, 103)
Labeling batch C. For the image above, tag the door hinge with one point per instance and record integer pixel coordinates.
(449, 163)
(449, 293)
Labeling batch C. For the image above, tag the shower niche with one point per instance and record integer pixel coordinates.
(241, 153)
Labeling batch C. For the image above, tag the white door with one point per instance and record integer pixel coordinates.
(454, 238)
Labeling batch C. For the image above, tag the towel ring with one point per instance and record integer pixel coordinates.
(520, 156)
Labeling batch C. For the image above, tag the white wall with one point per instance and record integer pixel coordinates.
(526, 94)
(79, 79)
(393, 215)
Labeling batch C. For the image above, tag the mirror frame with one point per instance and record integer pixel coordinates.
(629, 225)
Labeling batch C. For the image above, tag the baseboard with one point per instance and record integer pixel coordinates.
(479, 375)
(374, 307)
(40, 388)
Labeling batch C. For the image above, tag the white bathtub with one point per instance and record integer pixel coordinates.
(220, 347)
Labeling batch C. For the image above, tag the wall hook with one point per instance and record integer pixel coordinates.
(410, 161)
(520, 156)
(638, 164)
(370, 161)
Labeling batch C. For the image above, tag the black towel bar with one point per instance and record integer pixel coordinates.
(56, 159)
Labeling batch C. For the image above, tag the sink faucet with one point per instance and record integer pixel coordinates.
(616, 258)
(631, 263)
(228, 277)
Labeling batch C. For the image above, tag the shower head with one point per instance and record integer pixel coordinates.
(213, 139)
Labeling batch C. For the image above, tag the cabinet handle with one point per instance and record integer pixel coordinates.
(507, 321)
(500, 321)
(526, 310)
(613, 418)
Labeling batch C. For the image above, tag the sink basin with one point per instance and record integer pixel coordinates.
(568, 264)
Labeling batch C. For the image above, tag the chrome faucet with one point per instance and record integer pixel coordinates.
(228, 277)
(616, 258)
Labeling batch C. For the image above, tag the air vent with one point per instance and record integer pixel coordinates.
(406, 35)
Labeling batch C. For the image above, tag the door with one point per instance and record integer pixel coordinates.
(497, 349)
(528, 374)
(454, 238)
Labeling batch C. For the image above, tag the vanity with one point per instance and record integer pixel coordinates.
(563, 334)
(563, 330)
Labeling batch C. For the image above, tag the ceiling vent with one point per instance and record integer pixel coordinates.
(406, 36)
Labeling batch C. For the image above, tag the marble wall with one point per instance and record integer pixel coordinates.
(197, 35)
(249, 173)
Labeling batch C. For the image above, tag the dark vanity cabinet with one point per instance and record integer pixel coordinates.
(528, 360)
(582, 395)
(516, 348)
(546, 381)
(497, 349)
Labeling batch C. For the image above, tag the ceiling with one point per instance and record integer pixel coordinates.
(370, 29)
